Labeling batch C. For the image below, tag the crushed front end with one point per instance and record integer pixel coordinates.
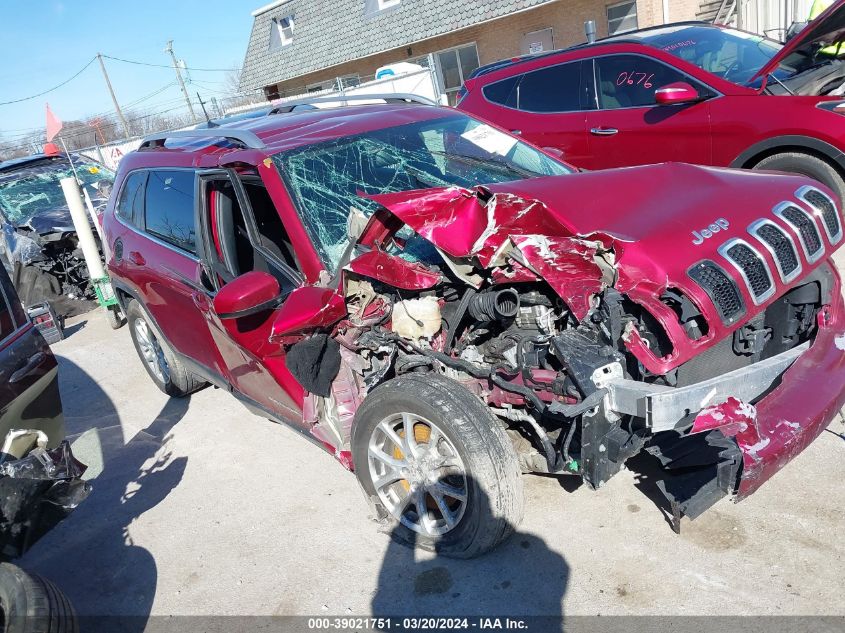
(703, 324)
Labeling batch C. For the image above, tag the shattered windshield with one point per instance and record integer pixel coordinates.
(36, 189)
(327, 180)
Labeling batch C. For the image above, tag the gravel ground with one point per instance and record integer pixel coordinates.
(200, 507)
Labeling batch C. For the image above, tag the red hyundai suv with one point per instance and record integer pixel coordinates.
(691, 92)
(443, 306)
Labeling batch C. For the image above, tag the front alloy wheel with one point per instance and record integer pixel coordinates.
(436, 461)
(417, 474)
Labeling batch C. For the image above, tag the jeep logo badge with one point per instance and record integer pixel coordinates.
(719, 225)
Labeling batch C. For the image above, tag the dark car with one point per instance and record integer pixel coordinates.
(38, 242)
(692, 92)
(442, 305)
(40, 480)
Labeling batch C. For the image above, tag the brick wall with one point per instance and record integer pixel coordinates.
(501, 38)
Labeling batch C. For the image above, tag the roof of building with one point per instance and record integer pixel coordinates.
(326, 34)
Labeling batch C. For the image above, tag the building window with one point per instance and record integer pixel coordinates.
(372, 7)
(281, 32)
(454, 67)
(348, 81)
(622, 17)
(320, 86)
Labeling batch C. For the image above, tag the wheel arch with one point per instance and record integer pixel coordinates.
(792, 143)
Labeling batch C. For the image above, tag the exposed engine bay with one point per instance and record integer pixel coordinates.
(586, 363)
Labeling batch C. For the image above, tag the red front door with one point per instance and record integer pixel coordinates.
(241, 231)
(628, 128)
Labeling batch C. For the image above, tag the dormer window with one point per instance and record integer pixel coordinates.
(386, 4)
(281, 32)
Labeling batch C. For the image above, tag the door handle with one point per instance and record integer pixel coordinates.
(201, 301)
(517, 132)
(136, 258)
(604, 131)
(34, 361)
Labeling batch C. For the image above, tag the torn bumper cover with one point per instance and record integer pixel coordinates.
(770, 411)
(36, 492)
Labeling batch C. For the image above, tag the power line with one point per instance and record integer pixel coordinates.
(137, 63)
(40, 94)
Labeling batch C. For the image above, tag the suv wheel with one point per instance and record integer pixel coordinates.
(440, 465)
(167, 372)
(806, 165)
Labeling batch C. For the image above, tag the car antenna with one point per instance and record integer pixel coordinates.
(207, 119)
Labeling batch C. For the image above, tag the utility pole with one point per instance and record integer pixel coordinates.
(114, 99)
(169, 49)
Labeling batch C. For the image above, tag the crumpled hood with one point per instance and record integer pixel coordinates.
(56, 220)
(649, 224)
(658, 219)
(664, 218)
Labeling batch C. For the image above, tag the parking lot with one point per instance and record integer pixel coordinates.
(200, 507)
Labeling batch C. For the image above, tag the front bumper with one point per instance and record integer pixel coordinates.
(773, 410)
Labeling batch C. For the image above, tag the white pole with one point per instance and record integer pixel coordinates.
(83, 228)
(90, 206)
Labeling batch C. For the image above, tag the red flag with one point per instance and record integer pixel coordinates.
(54, 125)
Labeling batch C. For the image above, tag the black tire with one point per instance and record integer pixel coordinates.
(176, 381)
(115, 317)
(31, 604)
(34, 285)
(806, 165)
(495, 500)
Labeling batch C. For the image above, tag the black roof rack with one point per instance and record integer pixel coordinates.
(388, 97)
(245, 138)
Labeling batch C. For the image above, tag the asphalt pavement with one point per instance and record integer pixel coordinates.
(200, 507)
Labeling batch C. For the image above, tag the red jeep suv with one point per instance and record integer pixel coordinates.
(443, 306)
(691, 92)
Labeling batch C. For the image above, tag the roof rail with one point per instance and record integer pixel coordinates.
(244, 137)
(387, 97)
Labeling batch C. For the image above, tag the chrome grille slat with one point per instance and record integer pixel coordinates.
(721, 289)
(752, 268)
(825, 209)
(805, 227)
(780, 245)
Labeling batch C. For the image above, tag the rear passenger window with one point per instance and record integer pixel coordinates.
(552, 89)
(130, 206)
(169, 207)
(503, 92)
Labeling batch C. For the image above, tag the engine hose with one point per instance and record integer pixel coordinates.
(458, 317)
(542, 436)
(574, 410)
(566, 410)
(495, 305)
(566, 458)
